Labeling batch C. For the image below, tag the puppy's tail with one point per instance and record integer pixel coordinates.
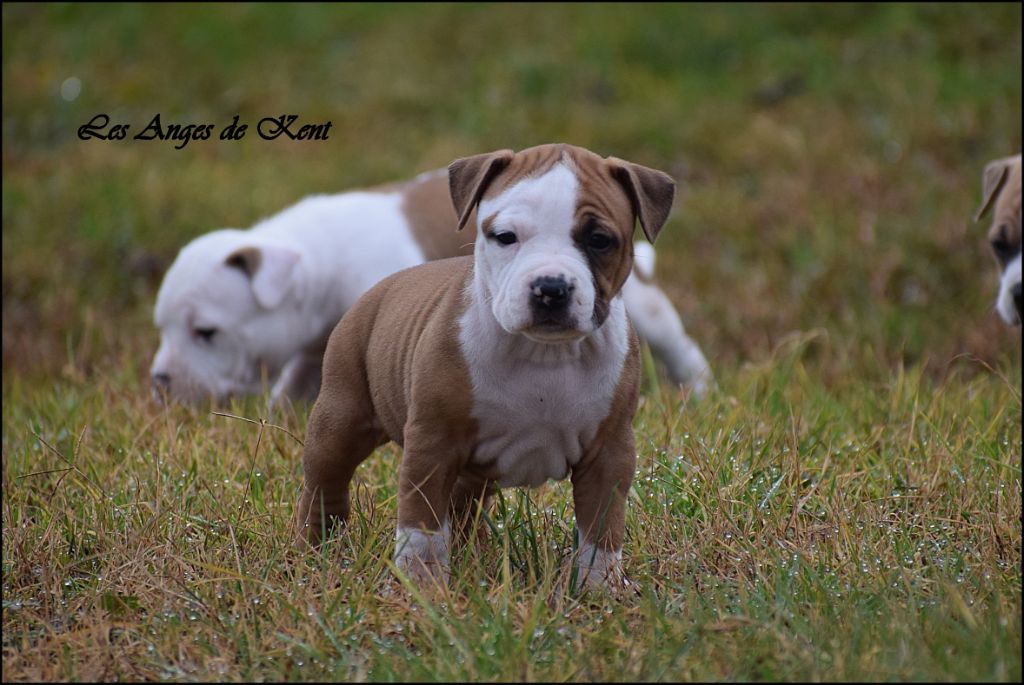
(643, 259)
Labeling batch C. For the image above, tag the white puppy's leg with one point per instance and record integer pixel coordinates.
(299, 379)
(658, 323)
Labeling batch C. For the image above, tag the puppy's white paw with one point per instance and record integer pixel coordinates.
(423, 555)
(600, 569)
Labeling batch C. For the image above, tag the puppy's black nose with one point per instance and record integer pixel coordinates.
(550, 292)
(1015, 292)
(161, 381)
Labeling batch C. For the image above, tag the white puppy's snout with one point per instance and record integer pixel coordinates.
(160, 387)
(159, 375)
(1008, 302)
(1015, 295)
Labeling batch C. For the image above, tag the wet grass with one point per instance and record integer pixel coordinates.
(781, 530)
(846, 506)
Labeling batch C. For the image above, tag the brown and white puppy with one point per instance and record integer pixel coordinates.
(508, 369)
(1001, 187)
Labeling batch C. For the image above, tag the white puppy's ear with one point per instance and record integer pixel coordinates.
(651, 192)
(469, 177)
(270, 269)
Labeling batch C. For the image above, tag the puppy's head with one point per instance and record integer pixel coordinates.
(555, 226)
(221, 307)
(1001, 187)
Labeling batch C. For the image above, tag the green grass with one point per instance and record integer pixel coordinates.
(846, 506)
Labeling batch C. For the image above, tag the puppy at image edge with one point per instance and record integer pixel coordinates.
(1001, 183)
(507, 369)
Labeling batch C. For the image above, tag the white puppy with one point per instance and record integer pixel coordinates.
(241, 309)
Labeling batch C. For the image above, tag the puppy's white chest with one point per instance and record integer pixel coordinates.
(534, 425)
(538, 407)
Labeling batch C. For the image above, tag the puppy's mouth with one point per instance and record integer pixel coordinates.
(552, 332)
(164, 398)
(160, 396)
(192, 396)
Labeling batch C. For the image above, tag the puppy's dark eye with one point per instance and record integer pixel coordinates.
(206, 334)
(600, 242)
(505, 237)
(1001, 245)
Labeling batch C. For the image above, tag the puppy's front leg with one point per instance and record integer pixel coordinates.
(298, 380)
(600, 485)
(426, 480)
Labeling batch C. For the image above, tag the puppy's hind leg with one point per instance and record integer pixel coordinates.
(658, 323)
(338, 439)
(470, 498)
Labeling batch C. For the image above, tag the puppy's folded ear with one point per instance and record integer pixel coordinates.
(469, 177)
(651, 192)
(270, 268)
(992, 181)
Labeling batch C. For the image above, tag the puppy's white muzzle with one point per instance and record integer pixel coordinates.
(546, 299)
(1008, 302)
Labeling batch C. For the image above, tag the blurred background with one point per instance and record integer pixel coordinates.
(828, 157)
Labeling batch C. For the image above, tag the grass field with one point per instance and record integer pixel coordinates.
(847, 504)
